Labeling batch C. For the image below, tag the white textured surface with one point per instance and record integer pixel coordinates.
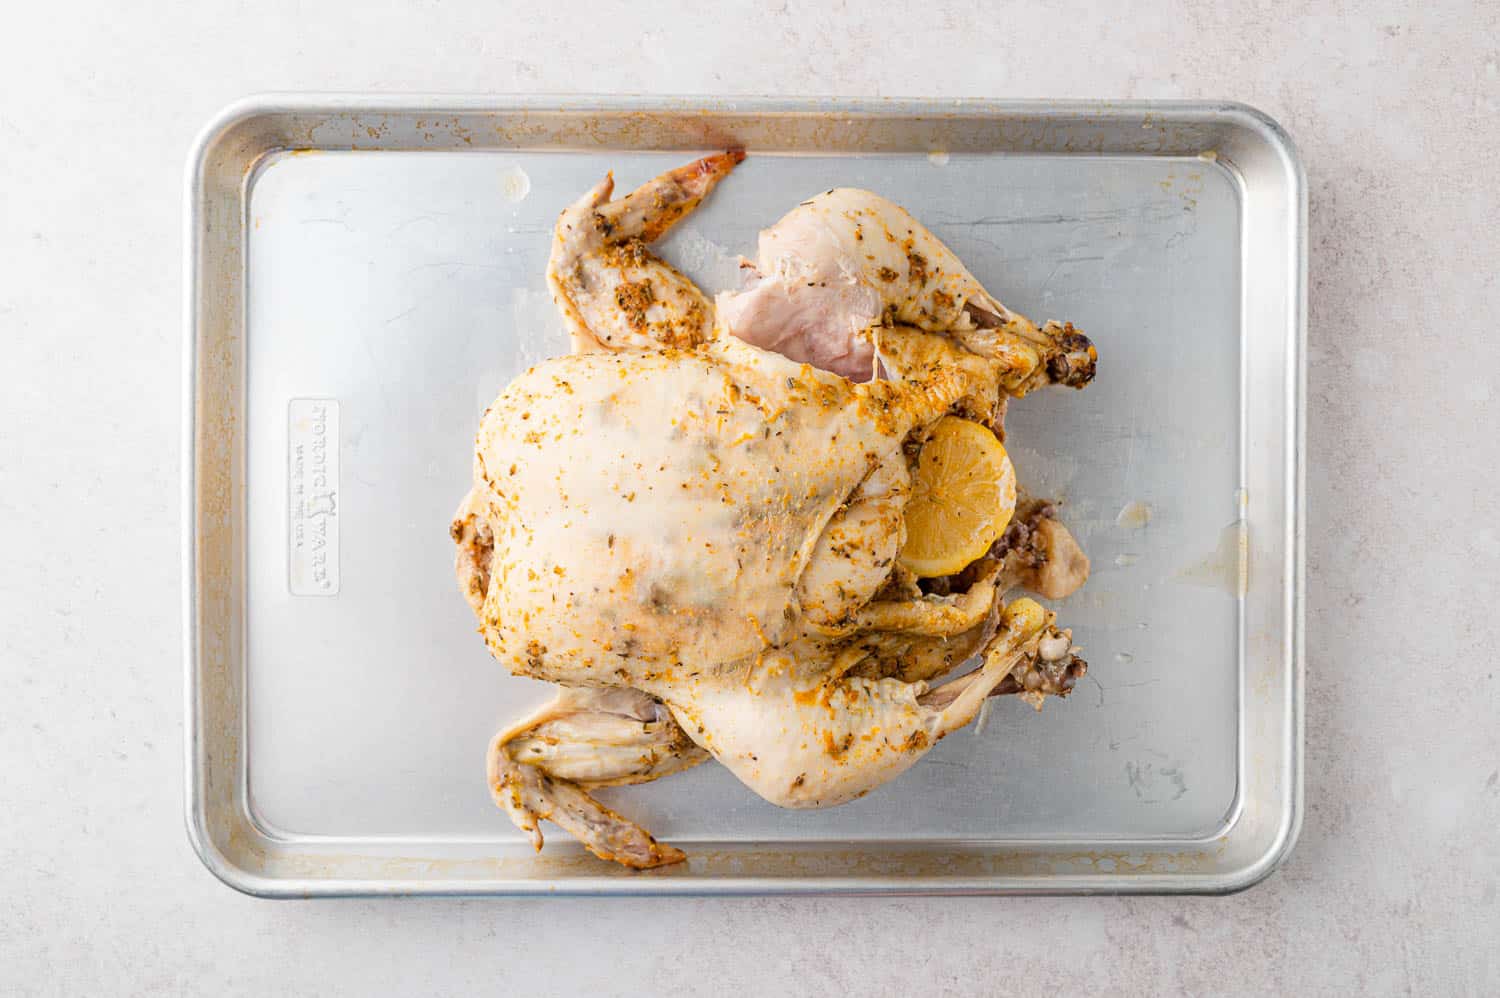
(1394, 886)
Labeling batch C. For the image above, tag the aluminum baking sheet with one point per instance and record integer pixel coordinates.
(365, 274)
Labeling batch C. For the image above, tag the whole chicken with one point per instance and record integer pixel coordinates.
(694, 523)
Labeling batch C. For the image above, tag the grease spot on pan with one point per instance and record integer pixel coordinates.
(514, 184)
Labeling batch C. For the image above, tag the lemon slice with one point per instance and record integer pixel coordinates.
(963, 495)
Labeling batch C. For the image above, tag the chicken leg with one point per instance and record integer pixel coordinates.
(807, 744)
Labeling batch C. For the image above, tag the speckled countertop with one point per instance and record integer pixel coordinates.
(1393, 888)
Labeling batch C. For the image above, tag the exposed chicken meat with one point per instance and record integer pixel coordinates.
(813, 321)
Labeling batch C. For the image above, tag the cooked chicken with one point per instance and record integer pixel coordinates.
(700, 536)
(614, 293)
(589, 737)
(847, 261)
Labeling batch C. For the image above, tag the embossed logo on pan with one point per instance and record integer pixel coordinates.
(313, 505)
